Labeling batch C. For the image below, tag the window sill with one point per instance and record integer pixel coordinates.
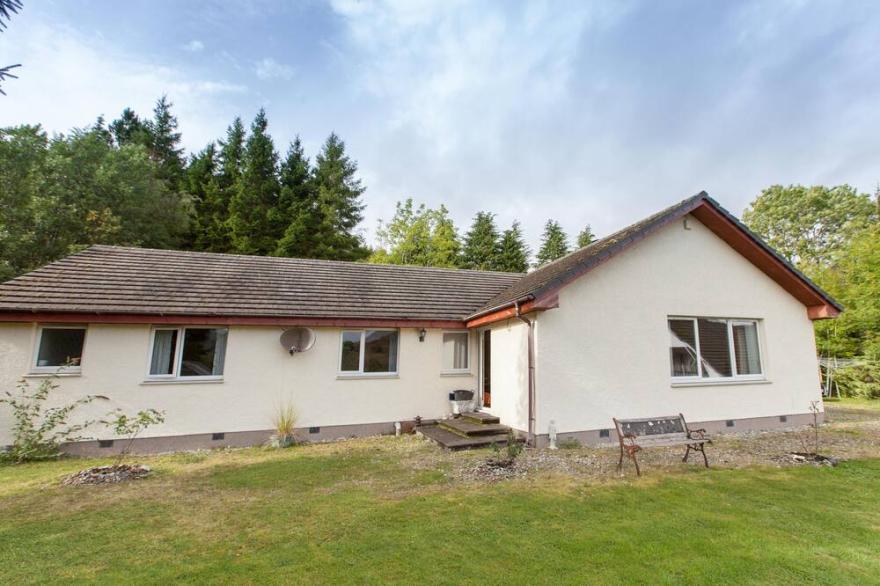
(52, 374)
(367, 376)
(721, 383)
(457, 373)
(182, 381)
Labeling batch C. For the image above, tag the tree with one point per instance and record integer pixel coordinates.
(165, 143)
(418, 236)
(298, 214)
(338, 191)
(481, 244)
(202, 185)
(586, 237)
(130, 129)
(256, 193)
(7, 9)
(554, 243)
(230, 166)
(514, 254)
(808, 225)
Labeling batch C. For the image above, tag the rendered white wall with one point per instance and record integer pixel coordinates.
(604, 351)
(510, 373)
(259, 375)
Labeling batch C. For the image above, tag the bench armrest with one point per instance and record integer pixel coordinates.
(697, 434)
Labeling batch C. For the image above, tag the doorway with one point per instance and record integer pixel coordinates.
(486, 362)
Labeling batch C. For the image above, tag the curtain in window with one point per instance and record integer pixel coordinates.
(164, 343)
(714, 348)
(220, 352)
(683, 347)
(745, 345)
(455, 351)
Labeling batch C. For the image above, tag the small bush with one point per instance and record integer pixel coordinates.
(569, 443)
(129, 427)
(37, 430)
(512, 449)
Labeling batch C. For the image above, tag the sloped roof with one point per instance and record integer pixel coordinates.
(120, 280)
(552, 276)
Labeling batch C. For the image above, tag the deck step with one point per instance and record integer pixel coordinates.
(468, 429)
(453, 441)
(480, 417)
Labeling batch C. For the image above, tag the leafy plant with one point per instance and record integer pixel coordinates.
(130, 426)
(860, 379)
(569, 443)
(284, 424)
(38, 430)
(512, 449)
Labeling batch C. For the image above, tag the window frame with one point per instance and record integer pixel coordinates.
(467, 368)
(36, 369)
(735, 376)
(359, 373)
(178, 354)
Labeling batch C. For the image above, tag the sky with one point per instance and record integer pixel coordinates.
(593, 113)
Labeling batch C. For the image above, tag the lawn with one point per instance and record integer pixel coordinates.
(382, 511)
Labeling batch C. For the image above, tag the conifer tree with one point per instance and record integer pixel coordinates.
(256, 193)
(298, 213)
(338, 192)
(165, 144)
(514, 254)
(130, 129)
(202, 184)
(481, 244)
(554, 243)
(586, 237)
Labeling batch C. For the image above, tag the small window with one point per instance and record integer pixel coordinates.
(711, 348)
(59, 349)
(368, 352)
(188, 352)
(455, 351)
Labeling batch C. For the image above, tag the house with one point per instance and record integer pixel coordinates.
(686, 311)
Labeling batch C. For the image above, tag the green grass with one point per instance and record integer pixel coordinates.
(362, 512)
(854, 403)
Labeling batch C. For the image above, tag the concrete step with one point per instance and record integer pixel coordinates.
(480, 417)
(468, 429)
(453, 441)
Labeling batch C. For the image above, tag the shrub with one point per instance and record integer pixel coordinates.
(284, 424)
(37, 430)
(569, 443)
(512, 449)
(129, 427)
(859, 379)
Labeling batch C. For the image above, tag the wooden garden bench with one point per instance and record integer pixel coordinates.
(637, 434)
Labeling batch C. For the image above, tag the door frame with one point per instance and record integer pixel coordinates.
(482, 370)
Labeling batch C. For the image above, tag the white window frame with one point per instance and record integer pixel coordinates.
(735, 376)
(467, 368)
(360, 371)
(36, 369)
(178, 354)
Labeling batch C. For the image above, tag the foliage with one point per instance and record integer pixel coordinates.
(513, 254)
(481, 244)
(586, 237)
(39, 430)
(554, 243)
(130, 426)
(569, 443)
(298, 214)
(418, 236)
(7, 9)
(284, 424)
(859, 379)
(808, 225)
(512, 449)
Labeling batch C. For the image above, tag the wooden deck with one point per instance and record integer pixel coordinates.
(471, 430)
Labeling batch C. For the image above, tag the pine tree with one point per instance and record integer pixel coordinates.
(256, 193)
(514, 254)
(165, 144)
(230, 161)
(554, 243)
(130, 129)
(298, 212)
(586, 237)
(338, 191)
(481, 244)
(202, 184)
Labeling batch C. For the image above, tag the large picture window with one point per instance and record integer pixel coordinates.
(59, 349)
(188, 353)
(702, 348)
(368, 352)
(455, 352)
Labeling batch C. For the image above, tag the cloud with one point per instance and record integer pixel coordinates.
(68, 79)
(194, 46)
(268, 69)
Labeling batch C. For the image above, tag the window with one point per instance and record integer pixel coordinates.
(704, 348)
(59, 348)
(368, 352)
(455, 351)
(188, 352)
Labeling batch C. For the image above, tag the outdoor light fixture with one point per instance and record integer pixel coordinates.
(422, 333)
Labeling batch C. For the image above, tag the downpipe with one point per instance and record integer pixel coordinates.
(531, 378)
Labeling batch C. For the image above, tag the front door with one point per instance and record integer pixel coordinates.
(487, 368)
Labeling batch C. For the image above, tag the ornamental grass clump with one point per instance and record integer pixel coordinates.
(284, 425)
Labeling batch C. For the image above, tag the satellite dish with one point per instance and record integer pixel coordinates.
(297, 339)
